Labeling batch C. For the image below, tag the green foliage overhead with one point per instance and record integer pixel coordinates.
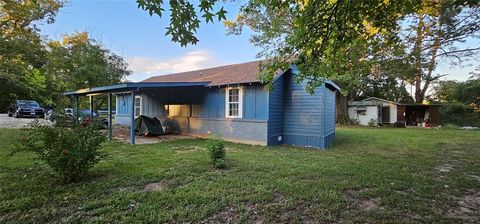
(335, 40)
(184, 18)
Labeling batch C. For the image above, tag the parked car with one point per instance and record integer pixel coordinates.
(26, 108)
(84, 117)
(104, 111)
(69, 111)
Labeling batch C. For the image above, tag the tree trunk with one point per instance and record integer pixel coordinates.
(418, 60)
(342, 108)
(341, 105)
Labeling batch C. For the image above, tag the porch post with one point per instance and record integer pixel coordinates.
(110, 126)
(132, 120)
(76, 110)
(91, 106)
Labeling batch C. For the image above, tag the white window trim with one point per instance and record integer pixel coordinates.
(135, 106)
(240, 102)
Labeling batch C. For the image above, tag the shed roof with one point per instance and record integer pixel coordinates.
(379, 99)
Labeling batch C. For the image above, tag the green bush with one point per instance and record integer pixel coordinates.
(69, 151)
(345, 120)
(372, 123)
(216, 151)
(459, 114)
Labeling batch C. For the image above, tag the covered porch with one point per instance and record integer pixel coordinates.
(131, 91)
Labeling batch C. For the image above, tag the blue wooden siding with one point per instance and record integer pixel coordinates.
(298, 117)
(255, 106)
(285, 115)
(203, 102)
(198, 101)
(275, 112)
(330, 117)
(329, 111)
(122, 102)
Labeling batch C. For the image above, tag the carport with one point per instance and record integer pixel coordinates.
(123, 88)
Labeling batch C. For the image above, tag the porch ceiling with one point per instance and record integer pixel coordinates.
(131, 87)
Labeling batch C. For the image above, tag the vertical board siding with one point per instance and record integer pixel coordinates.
(122, 102)
(275, 112)
(261, 102)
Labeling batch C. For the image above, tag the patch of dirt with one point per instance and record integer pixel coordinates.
(468, 208)
(158, 186)
(356, 192)
(125, 189)
(188, 149)
(445, 168)
(229, 149)
(122, 133)
(227, 215)
(231, 214)
(370, 204)
(360, 202)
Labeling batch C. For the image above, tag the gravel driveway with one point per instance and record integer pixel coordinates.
(11, 122)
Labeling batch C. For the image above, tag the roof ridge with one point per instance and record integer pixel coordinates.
(203, 69)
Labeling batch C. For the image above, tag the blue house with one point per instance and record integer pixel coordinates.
(231, 101)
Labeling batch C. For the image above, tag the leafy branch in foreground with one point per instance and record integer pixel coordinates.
(184, 19)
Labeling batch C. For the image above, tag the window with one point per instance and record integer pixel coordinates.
(233, 102)
(361, 112)
(138, 106)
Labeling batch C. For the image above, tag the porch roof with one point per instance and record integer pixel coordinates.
(131, 86)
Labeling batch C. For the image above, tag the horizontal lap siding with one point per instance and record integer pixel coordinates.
(275, 112)
(303, 118)
(329, 111)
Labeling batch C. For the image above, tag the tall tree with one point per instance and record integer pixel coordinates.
(21, 48)
(435, 32)
(78, 62)
(345, 41)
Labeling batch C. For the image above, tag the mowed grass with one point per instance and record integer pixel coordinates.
(369, 175)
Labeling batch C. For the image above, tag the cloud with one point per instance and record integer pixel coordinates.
(144, 67)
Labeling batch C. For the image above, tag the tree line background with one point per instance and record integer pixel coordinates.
(32, 67)
(370, 48)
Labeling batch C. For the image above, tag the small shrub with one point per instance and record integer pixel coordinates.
(345, 120)
(372, 123)
(456, 113)
(69, 151)
(216, 151)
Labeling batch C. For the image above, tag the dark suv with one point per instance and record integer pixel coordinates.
(26, 108)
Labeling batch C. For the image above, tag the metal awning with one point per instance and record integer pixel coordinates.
(129, 87)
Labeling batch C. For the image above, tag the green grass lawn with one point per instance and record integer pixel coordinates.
(369, 175)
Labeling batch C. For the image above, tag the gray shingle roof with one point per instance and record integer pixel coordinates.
(218, 76)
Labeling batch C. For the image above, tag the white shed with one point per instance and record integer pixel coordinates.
(373, 109)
